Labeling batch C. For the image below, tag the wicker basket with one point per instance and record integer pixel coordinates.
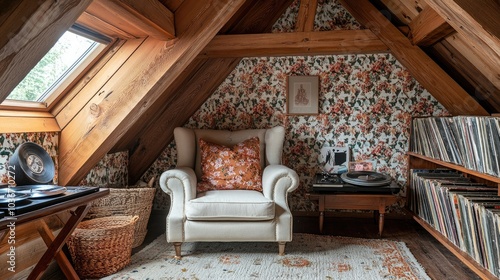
(126, 201)
(102, 246)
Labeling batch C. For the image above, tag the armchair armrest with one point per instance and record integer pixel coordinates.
(180, 184)
(277, 181)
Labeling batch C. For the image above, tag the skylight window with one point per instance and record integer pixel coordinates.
(70, 51)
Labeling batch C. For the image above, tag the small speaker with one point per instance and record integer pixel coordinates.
(32, 165)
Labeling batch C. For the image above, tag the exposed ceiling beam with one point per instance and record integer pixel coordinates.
(455, 99)
(24, 42)
(123, 18)
(477, 20)
(466, 73)
(306, 15)
(196, 87)
(138, 84)
(488, 68)
(295, 43)
(428, 28)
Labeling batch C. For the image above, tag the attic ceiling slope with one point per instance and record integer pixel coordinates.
(455, 99)
(197, 86)
(128, 19)
(28, 31)
(140, 83)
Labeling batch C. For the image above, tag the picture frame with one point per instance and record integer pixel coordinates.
(302, 95)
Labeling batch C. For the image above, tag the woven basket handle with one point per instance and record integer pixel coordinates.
(134, 219)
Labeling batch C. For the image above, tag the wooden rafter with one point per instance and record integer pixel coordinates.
(305, 17)
(477, 20)
(125, 18)
(24, 42)
(295, 43)
(138, 84)
(428, 28)
(455, 99)
(197, 85)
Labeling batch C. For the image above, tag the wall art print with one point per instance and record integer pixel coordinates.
(366, 103)
(302, 95)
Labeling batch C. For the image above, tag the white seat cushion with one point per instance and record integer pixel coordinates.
(230, 205)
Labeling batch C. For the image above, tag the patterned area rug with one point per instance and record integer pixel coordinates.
(307, 257)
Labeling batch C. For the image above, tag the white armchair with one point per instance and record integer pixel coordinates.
(228, 215)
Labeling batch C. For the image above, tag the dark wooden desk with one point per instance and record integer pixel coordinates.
(377, 202)
(54, 243)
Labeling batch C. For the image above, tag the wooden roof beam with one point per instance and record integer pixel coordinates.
(197, 84)
(141, 82)
(454, 98)
(28, 32)
(477, 20)
(295, 43)
(123, 18)
(305, 17)
(428, 28)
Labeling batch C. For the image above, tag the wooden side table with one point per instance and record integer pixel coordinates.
(377, 202)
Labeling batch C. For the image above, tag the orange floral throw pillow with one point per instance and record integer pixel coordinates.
(225, 168)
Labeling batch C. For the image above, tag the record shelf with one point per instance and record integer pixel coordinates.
(417, 161)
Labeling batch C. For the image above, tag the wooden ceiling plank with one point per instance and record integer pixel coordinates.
(17, 124)
(79, 96)
(477, 21)
(428, 28)
(469, 76)
(99, 25)
(172, 5)
(455, 99)
(405, 11)
(139, 18)
(201, 81)
(24, 42)
(194, 93)
(487, 67)
(138, 84)
(158, 18)
(295, 43)
(306, 15)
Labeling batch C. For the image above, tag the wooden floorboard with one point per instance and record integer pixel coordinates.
(438, 262)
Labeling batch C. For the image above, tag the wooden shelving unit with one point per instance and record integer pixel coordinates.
(419, 161)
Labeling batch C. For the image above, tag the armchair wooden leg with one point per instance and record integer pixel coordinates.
(177, 246)
(281, 246)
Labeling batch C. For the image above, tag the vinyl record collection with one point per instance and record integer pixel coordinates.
(472, 142)
(465, 212)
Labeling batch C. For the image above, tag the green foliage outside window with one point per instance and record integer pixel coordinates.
(69, 50)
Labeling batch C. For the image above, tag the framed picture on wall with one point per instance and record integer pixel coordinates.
(302, 95)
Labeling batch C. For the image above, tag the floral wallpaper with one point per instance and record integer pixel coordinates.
(365, 103)
(110, 171)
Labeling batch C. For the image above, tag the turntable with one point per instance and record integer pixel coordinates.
(23, 199)
(355, 182)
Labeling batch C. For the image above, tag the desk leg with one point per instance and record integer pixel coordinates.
(381, 210)
(381, 224)
(59, 241)
(65, 265)
(321, 213)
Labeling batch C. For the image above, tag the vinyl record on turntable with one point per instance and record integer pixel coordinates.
(366, 178)
(32, 165)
